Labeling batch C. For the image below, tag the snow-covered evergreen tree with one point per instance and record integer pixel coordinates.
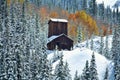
(101, 11)
(93, 8)
(84, 4)
(44, 74)
(106, 50)
(26, 42)
(79, 35)
(117, 14)
(86, 34)
(92, 43)
(56, 55)
(34, 57)
(59, 71)
(76, 77)
(92, 68)
(67, 72)
(2, 42)
(50, 70)
(6, 44)
(116, 51)
(108, 14)
(12, 72)
(106, 74)
(21, 45)
(101, 42)
(113, 16)
(20, 40)
(86, 73)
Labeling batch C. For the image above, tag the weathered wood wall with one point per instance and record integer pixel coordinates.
(57, 28)
(63, 42)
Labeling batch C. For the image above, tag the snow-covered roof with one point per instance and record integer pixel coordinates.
(54, 37)
(58, 20)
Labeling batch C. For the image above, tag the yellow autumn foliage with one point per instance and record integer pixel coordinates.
(9, 1)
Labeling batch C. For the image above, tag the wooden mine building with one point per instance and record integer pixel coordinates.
(58, 35)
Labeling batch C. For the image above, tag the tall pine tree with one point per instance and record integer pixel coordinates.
(59, 70)
(93, 70)
(116, 51)
(76, 77)
(93, 8)
(106, 74)
(86, 72)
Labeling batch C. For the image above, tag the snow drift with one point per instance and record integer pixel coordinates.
(77, 59)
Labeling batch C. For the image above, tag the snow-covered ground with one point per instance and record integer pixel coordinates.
(96, 43)
(110, 3)
(77, 57)
(107, 2)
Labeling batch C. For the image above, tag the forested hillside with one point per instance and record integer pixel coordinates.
(83, 15)
(24, 34)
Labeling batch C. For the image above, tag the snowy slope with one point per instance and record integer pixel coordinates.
(96, 43)
(77, 59)
(110, 3)
(80, 54)
(117, 4)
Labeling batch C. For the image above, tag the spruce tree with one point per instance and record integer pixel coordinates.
(2, 41)
(67, 72)
(6, 43)
(93, 8)
(116, 51)
(25, 42)
(79, 35)
(92, 43)
(84, 4)
(101, 42)
(106, 74)
(108, 15)
(113, 16)
(101, 11)
(86, 72)
(92, 68)
(106, 50)
(42, 67)
(56, 54)
(19, 38)
(1, 15)
(34, 50)
(59, 70)
(44, 74)
(117, 15)
(87, 43)
(50, 69)
(11, 59)
(76, 77)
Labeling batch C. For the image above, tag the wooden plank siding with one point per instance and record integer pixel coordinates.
(57, 28)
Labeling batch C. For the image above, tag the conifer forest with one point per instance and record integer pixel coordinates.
(85, 41)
